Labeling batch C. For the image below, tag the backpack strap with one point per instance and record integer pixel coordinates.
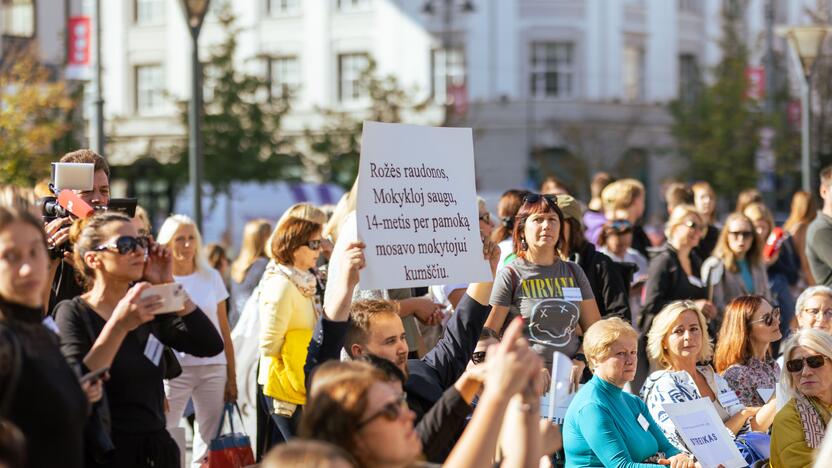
(14, 375)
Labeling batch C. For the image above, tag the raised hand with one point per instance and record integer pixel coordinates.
(512, 365)
(158, 265)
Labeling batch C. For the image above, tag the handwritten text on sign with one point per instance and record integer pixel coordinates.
(417, 208)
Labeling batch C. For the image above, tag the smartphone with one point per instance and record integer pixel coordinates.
(94, 375)
(72, 176)
(173, 296)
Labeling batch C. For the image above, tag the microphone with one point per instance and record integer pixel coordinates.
(75, 204)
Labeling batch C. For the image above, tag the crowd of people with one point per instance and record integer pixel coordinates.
(96, 371)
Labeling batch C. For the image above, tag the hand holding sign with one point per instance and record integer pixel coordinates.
(704, 433)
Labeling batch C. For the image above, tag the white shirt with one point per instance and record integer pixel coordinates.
(206, 290)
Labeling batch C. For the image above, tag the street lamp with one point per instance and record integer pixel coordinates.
(194, 14)
(806, 44)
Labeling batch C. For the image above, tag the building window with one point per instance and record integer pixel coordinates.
(19, 18)
(149, 12)
(552, 69)
(352, 5)
(350, 68)
(448, 70)
(633, 73)
(690, 6)
(283, 7)
(284, 76)
(150, 89)
(689, 78)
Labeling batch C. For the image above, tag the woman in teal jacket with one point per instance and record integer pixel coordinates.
(605, 426)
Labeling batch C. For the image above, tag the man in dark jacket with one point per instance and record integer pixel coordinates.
(376, 328)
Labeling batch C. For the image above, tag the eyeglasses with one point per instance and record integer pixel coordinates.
(796, 365)
(769, 318)
(486, 218)
(741, 234)
(692, 225)
(552, 200)
(391, 411)
(478, 357)
(125, 244)
(827, 313)
(314, 244)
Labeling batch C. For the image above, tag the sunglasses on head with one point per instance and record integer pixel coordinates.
(125, 244)
(391, 411)
(552, 200)
(314, 244)
(796, 365)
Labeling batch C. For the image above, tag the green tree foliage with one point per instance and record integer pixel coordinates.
(34, 116)
(334, 149)
(241, 127)
(718, 128)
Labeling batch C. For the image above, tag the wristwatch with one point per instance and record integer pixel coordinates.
(580, 357)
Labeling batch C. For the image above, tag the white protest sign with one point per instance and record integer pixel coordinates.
(554, 404)
(417, 208)
(704, 433)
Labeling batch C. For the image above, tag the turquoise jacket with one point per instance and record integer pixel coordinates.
(605, 426)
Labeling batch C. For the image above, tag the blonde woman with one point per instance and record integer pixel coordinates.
(799, 427)
(736, 267)
(209, 382)
(678, 345)
(248, 267)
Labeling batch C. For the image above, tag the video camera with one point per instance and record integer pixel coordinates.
(67, 177)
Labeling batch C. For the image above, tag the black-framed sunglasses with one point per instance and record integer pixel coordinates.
(314, 244)
(769, 318)
(125, 244)
(814, 362)
(742, 234)
(552, 200)
(478, 357)
(391, 411)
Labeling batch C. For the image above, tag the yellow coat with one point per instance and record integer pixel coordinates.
(788, 443)
(287, 318)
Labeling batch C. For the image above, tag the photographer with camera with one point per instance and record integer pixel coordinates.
(64, 284)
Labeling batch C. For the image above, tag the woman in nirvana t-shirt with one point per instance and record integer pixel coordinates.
(552, 295)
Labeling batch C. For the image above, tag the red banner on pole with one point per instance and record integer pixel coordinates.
(756, 79)
(79, 36)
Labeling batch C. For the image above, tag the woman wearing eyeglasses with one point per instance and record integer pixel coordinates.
(679, 346)
(736, 267)
(211, 381)
(799, 427)
(288, 313)
(117, 325)
(552, 295)
(743, 354)
(814, 308)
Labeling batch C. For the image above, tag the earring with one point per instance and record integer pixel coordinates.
(523, 244)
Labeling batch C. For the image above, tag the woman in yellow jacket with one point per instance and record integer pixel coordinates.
(287, 316)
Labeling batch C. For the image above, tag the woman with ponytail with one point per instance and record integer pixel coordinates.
(115, 324)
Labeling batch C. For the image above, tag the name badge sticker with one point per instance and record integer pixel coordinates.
(728, 399)
(153, 349)
(572, 294)
(643, 421)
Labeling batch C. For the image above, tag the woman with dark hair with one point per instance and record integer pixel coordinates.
(288, 313)
(39, 392)
(248, 267)
(510, 202)
(552, 295)
(610, 281)
(743, 353)
(117, 325)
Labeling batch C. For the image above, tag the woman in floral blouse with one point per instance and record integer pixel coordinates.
(677, 342)
(743, 353)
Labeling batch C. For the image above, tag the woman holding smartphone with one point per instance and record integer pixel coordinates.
(208, 381)
(116, 325)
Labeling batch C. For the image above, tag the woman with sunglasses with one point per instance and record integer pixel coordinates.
(679, 346)
(800, 425)
(743, 354)
(211, 381)
(552, 295)
(116, 325)
(288, 312)
(736, 267)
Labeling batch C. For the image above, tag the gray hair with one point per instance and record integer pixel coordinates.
(810, 293)
(817, 340)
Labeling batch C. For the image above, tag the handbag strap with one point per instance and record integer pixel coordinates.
(14, 375)
(228, 409)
